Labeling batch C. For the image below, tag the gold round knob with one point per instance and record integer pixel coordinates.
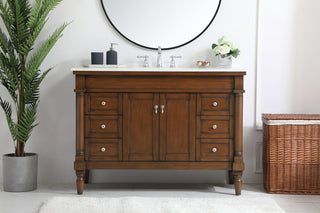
(214, 104)
(103, 149)
(214, 150)
(103, 103)
(103, 126)
(214, 127)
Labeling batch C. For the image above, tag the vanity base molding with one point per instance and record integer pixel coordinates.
(159, 120)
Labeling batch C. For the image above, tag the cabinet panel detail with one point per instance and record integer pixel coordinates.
(104, 103)
(103, 126)
(141, 127)
(214, 150)
(214, 104)
(214, 127)
(163, 83)
(106, 150)
(177, 140)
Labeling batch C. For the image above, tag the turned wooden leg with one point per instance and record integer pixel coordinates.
(86, 176)
(80, 181)
(237, 182)
(231, 181)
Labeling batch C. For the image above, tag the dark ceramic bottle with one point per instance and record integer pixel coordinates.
(112, 55)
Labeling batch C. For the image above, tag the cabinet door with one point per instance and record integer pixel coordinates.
(141, 127)
(177, 127)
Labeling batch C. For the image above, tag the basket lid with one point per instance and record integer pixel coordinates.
(291, 119)
(291, 116)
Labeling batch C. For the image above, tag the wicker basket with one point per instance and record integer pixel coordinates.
(291, 153)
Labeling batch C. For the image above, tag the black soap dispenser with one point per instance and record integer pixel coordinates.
(112, 56)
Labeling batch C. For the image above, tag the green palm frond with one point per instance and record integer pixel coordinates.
(38, 18)
(9, 79)
(35, 13)
(22, 12)
(4, 43)
(32, 87)
(38, 57)
(27, 123)
(8, 18)
(20, 65)
(8, 113)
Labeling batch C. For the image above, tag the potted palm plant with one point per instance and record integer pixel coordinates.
(21, 76)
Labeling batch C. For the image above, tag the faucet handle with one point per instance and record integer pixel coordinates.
(172, 62)
(145, 62)
(159, 59)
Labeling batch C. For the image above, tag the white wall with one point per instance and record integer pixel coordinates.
(54, 139)
(289, 56)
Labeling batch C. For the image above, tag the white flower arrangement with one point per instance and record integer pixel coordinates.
(225, 48)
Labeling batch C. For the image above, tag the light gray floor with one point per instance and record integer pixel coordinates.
(30, 202)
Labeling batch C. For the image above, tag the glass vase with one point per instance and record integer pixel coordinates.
(224, 61)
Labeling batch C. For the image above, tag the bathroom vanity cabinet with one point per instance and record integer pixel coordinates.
(159, 120)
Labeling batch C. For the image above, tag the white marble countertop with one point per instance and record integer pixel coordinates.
(120, 68)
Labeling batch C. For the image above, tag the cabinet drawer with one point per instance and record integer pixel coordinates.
(106, 150)
(103, 126)
(214, 104)
(214, 127)
(214, 150)
(104, 103)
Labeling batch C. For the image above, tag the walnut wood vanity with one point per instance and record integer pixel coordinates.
(159, 120)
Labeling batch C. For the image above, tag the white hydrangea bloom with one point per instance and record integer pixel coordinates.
(225, 49)
(216, 50)
(221, 40)
(233, 46)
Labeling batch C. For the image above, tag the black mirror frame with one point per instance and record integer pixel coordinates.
(168, 48)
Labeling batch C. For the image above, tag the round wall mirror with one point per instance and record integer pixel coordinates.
(166, 23)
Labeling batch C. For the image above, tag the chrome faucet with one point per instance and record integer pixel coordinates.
(145, 62)
(172, 62)
(159, 59)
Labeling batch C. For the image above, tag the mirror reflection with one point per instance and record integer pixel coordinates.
(166, 23)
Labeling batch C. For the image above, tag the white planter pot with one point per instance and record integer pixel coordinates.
(224, 61)
(20, 173)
